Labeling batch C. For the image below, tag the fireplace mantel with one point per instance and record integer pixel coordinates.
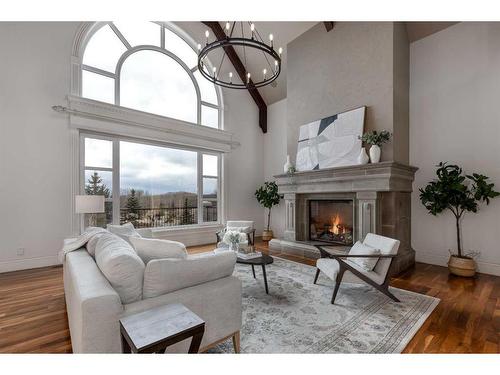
(384, 176)
(382, 199)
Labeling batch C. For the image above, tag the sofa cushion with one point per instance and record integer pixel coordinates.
(124, 231)
(367, 264)
(122, 267)
(149, 249)
(167, 275)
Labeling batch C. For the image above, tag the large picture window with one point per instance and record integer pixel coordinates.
(149, 184)
(151, 67)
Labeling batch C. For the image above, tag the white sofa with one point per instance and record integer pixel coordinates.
(203, 283)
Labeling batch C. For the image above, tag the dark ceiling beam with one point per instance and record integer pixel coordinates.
(329, 25)
(241, 70)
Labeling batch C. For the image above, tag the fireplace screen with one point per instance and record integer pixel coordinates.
(331, 221)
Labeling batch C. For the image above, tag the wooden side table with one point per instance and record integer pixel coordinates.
(154, 330)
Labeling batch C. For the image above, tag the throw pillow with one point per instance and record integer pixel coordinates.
(122, 267)
(149, 249)
(368, 264)
(124, 231)
(91, 245)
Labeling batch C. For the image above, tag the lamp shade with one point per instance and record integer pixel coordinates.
(89, 204)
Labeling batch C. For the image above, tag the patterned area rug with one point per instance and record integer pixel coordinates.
(297, 317)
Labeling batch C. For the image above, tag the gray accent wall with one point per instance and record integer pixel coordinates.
(355, 64)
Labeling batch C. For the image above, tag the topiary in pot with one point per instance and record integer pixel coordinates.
(459, 194)
(268, 196)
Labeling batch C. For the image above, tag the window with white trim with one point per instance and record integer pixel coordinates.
(150, 184)
(148, 66)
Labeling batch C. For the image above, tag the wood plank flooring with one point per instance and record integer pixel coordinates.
(33, 312)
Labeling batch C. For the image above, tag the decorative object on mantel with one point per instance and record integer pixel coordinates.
(331, 142)
(458, 193)
(376, 140)
(267, 195)
(363, 157)
(245, 38)
(89, 204)
(288, 165)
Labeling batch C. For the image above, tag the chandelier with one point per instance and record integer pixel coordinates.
(247, 44)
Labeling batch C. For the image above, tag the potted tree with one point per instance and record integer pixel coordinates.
(267, 195)
(375, 139)
(459, 194)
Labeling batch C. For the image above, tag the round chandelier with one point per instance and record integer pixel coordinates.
(250, 45)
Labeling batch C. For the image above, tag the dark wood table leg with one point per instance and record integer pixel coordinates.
(196, 341)
(125, 345)
(253, 271)
(265, 278)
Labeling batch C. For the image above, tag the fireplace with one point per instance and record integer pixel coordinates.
(331, 220)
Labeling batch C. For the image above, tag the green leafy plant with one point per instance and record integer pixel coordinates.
(376, 138)
(267, 195)
(456, 192)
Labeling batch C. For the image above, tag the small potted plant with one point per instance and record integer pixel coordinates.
(376, 139)
(459, 194)
(267, 195)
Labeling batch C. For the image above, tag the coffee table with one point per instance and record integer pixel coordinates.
(260, 261)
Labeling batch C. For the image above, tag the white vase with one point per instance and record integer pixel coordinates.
(287, 165)
(363, 156)
(375, 154)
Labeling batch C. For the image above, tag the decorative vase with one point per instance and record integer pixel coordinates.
(287, 165)
(375, 154)
(462, 266)
(363, 156)
(267, 235)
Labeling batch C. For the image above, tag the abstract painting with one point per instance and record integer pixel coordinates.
(331, 142)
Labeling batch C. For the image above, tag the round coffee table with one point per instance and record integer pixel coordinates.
(260, 261)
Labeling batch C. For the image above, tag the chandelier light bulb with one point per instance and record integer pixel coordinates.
(248, 78)
(207, 34)
(271, 37)
(230, 77)
(276, 65)
(199, 47)
(264, 72)
(228, 25)
(280, 51)
(252, 27)
(214, 69)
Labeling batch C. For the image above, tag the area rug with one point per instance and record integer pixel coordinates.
(297, 316)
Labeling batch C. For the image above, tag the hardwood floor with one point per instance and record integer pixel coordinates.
(33, 313)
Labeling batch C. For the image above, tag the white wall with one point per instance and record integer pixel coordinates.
(454, 116)
(275, 142)
(35, 145)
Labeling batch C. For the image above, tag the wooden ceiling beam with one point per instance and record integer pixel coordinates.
(329, 25)
(242, 71)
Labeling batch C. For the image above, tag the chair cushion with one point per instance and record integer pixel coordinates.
(121, 266)
(124, 231)
(367, 264)
(149, 249)
(387, 246)
(330, 267)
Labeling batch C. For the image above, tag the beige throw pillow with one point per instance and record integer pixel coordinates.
(149, 249)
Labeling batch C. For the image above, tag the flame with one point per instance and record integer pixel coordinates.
(336, 224)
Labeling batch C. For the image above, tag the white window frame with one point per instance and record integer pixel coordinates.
(116, 176)
(161, 49)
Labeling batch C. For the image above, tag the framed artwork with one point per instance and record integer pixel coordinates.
(331, 142)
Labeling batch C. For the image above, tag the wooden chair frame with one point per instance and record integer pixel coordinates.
(344, 266)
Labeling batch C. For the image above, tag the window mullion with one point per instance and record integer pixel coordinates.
(200, 187)
(116, 181)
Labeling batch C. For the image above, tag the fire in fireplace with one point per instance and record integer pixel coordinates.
(331, 221)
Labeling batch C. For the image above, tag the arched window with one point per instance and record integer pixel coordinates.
(150, 67)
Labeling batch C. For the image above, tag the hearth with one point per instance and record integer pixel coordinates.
(331, 221)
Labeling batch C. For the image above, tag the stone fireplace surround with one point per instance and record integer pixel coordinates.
(381, 194)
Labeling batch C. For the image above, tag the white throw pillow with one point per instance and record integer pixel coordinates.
(124, 231)
(359, 248)
(121, 266)
(92, 243)
(149, 249)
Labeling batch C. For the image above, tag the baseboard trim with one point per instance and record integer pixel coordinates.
(442, 260)
(28, 263)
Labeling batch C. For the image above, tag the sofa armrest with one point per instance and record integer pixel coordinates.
(167, 275)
